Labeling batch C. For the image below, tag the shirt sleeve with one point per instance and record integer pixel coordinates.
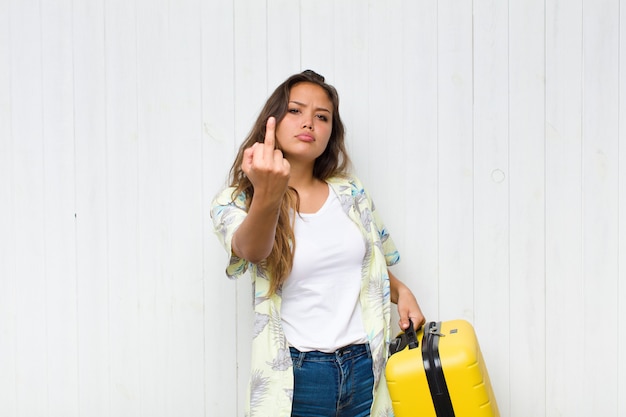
(227, 214)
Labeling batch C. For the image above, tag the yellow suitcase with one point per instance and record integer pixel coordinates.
(439, 372)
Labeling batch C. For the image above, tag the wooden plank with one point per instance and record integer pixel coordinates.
(418, 112)
(600, 187)
(350, 75)
(317, 41)
(91, 209)
(8, 253)
(186, 240)
(492, 191)
(156, 277)
(122, 205)
(621, 227)
(565, 391)
(59, 192)
(251, 79)
(283, 41)
(31, 359)
(527, 361)
(455, 159)
(218, 153)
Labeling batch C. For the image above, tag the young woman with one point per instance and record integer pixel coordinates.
(318, 254)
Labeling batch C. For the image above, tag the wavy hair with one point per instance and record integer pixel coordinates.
(334, 161)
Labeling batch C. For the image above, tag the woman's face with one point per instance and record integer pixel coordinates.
(304, 132)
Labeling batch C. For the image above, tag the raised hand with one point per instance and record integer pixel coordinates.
(268, 172)
(266, 167)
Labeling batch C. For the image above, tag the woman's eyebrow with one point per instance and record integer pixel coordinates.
(304, 105)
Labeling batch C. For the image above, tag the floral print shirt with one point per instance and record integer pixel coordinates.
(271, 380)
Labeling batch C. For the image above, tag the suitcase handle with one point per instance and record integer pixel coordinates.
(411, 335)
(404, 339)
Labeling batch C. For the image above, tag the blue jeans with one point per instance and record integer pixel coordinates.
(338, 384)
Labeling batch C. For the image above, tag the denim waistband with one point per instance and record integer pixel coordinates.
(343, 353)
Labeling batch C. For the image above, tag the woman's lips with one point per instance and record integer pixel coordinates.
(306, 137)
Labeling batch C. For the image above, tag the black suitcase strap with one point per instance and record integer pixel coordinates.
(434, 370)
(432, 363)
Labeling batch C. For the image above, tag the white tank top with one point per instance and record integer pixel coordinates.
(320, 298)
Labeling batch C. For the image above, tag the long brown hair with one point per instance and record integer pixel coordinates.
(334, 161)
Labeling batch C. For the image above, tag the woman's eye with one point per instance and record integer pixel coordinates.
(294, 111)
(322, 117)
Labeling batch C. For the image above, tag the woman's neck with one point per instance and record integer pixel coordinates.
(312, 191)
(301, 177)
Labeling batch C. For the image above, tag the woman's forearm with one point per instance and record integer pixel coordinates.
(254, 239)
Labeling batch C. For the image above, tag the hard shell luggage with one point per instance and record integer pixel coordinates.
(439, 372)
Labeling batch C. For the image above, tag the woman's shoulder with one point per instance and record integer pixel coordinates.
(345, 180)
(347, 183)
(230, 196)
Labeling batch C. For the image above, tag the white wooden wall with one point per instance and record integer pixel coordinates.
(488, 132)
